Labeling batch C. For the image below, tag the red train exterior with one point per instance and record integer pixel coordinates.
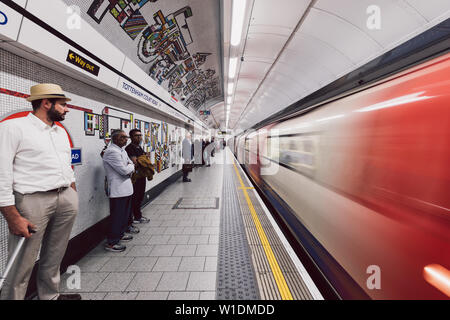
(368, 175)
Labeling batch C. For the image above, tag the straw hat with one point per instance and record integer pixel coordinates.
(46, 91)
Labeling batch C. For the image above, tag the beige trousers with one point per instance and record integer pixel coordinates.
(53, 214)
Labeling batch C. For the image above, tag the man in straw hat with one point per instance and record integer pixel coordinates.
(37, 192)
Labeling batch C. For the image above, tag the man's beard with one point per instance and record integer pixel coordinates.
(54, 115)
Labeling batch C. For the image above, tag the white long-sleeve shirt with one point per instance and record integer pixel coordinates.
(33, 157)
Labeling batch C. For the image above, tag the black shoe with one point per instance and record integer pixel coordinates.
(186, 180)
(71, 296)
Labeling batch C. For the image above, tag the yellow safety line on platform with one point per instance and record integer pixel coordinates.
(278, 275)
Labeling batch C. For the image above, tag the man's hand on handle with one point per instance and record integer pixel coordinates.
(17, 224)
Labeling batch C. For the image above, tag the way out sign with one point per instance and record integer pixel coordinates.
(76, 156)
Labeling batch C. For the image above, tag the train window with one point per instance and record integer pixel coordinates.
(273, 148)
(293, 145)
(308, 146)
(246, 150)
(253, 148)
(298, 152)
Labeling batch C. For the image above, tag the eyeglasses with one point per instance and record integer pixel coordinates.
(123, 137)
(137, 135)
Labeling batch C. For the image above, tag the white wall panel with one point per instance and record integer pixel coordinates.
(85, 36)
(340, 35)
(38, 39)
(253, 69)
(257, 46)
(248, 85)
(21, 3)
(397, 18)
(287, 77)
(304, 64)
(10, 22)
(270, 29)
(285, 13)
(432, 9)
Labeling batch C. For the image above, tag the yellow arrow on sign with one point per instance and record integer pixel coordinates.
(71, 56)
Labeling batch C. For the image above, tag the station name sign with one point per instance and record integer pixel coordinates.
(139, 93)
(82, 63)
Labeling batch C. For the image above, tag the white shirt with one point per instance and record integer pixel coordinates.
(33, 157)
(118, 170)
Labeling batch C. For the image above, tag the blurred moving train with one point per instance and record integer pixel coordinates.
(363, 183)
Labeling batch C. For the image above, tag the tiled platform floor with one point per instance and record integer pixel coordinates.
(173, 257)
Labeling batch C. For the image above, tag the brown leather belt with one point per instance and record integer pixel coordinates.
(60, 189)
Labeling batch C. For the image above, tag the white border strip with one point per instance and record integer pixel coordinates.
(300, 268)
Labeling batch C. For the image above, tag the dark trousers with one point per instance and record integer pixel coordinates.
(186, 169)
(136, 200)
(120, 211)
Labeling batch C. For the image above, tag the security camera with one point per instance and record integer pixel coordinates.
(183, 97)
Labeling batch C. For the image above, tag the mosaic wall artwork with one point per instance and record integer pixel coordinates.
(109, 120)
(147, 137)
(154, 136)
(173, 147)
(168, 40)
(165, 133)
(165, 158)
(112, 119)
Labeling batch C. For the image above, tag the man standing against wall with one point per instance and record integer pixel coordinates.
(118, 169)
(134, 151)
(187, 156)
(37, 191)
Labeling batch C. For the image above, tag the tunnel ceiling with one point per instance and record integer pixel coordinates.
(292, 48)
(177, 43)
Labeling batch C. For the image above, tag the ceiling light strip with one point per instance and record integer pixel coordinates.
(237, 21)
(302, 19)
(232, 68)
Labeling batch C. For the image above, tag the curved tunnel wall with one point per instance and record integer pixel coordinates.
(18, 75)
(34, 55)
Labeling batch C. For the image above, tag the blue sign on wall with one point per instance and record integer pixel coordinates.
(76, 156)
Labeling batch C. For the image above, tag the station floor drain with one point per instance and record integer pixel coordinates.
(197, 203)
